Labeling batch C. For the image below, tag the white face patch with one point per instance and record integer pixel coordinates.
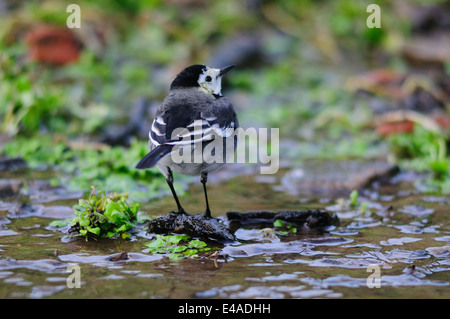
(210, 81)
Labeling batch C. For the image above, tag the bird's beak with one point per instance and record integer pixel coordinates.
(225, 70)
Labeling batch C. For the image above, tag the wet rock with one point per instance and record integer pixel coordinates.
(335, 178)
(118, 257)
(193, 225)
(428, 51)
(242, 50)
(25, 210)
(422, 101)
(12, 164)
(10, 187)
(137, 125)
(431, 18)
(312, 218)
(251, 217)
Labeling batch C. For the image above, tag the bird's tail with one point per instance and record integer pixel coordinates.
(154, 156)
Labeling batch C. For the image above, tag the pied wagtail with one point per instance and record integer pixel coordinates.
(193, 115)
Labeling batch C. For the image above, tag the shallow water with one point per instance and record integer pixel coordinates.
(408, 242)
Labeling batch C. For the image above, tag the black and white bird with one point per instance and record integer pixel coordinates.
(192, 116)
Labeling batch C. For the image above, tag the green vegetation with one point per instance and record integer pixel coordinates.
(26, 101)
(424, 150)
(353, 198)
(83, 165)
(102, 216)
(354, 202)
(177, 246)
(283, 227)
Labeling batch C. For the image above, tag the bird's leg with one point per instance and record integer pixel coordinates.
(169, 181)
(203, 180)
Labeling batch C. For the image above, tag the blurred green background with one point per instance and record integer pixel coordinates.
(81, 101)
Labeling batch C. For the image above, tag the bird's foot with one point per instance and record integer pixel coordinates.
(179, 212)
(207, 214)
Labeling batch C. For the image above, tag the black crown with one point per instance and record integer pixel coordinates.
(188, 77)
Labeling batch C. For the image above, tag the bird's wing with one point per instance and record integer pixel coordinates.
(200, 128)
(158, 131)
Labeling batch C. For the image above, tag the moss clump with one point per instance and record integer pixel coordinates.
(102, 216)
(177, 246)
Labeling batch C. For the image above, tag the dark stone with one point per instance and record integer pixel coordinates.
(193, 225)
(137, 125)
(211, 229)
(335, 178)
(313, 219)
(12, 164)
(10, 187)
(119, 257)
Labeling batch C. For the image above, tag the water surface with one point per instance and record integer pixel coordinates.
(403, 232)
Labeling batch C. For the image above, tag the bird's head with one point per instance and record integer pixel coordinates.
(201, 76)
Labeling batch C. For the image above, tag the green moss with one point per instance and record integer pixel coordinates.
(283, 227)
(424, 150)
(177, 246)
(109, 168)
(102, 216)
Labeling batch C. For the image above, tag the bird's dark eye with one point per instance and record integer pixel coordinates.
(208, 79)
